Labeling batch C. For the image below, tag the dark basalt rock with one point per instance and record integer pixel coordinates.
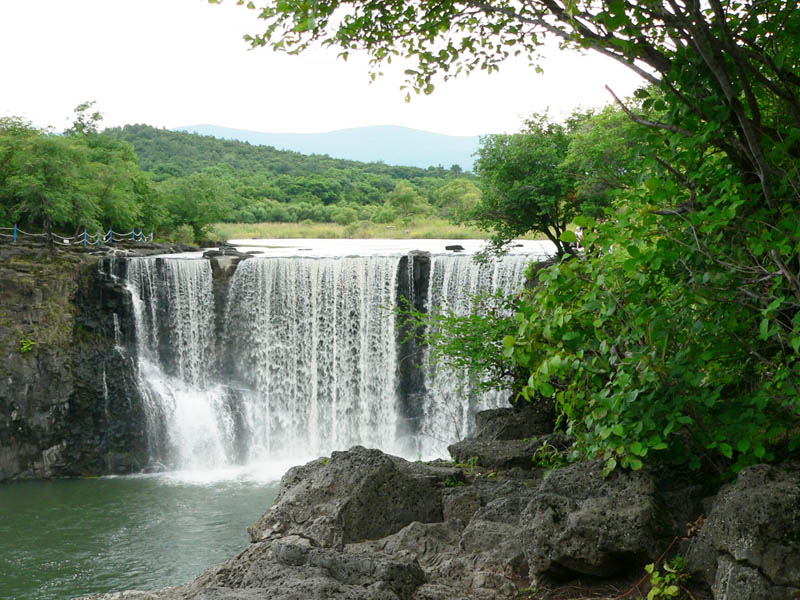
(355, 495)
(506, 454)
(227, 251)
(293, 568)
(749, 545)
(520, 422)
(454, 248)
(580, 523)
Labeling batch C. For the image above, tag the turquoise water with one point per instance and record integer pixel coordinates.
(60, 539)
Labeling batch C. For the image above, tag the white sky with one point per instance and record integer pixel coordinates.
(171, 63)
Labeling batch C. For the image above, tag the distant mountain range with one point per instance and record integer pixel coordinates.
(390, 144)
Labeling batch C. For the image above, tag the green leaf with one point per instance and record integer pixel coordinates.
(546, 389)
(509, 341)
(652, 184)
(638, 449)
(726, 450)
(743, 445)
(569, 237)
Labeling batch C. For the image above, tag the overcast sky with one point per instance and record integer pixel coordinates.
(172, 63)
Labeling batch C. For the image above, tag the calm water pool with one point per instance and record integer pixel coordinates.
(60, 539)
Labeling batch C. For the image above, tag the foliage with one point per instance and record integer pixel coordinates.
(269, 185)
(405, 200)
(470, 343)
(457, 198)
(547, 456)
(668, 584)
(26, 344)
(197, 200)
(72, 181)
(523, 187)
(86, 122)
(94, 180)
(604, 157)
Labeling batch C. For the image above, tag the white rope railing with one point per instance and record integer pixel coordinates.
(86, 239)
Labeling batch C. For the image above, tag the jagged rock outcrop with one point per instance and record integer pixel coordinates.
(355, 495)
(749, 545)
(580, 523)
(525, 420)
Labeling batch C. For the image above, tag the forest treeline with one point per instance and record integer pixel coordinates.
(177, 184)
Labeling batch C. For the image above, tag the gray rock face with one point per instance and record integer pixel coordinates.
(581, 524)
(518, 423)
(492, 534)
(292, 568)
(749, 545)
(505, 454)
(501, 454)
(353, 496)
(59, 412)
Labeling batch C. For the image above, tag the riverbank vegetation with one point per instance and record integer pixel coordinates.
(178, 184)
(418, 228)
(675, 335)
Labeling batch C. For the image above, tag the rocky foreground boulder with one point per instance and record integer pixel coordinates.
(749, 545)
(365, 525)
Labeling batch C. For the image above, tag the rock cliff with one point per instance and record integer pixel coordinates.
(68, 404)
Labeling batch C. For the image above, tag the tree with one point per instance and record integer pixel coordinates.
(457, 198)
(405, 199)
(86, 122)
(523, 187)
(606, 155)
(197, 200)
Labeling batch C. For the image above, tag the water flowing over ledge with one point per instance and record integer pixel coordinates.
(297, 357)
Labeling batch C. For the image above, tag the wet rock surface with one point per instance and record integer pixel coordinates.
(65, 387)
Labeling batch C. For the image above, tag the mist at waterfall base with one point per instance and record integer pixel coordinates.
(301, 360)
(300, 357)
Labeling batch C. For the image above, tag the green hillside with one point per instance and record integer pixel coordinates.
(259, 183)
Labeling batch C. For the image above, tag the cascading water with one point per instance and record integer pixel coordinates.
(312, 342)
(298, 358)
(190, 422)
(451, 403)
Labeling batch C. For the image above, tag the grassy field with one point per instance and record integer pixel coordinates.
(431, 228)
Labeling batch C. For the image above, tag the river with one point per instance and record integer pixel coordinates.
(60, 539)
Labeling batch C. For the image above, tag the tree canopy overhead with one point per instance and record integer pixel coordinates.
(720, 61)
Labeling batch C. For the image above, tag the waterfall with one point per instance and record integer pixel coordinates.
(312, 343)
(190, 425)
(455, 282)
(297, 357)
